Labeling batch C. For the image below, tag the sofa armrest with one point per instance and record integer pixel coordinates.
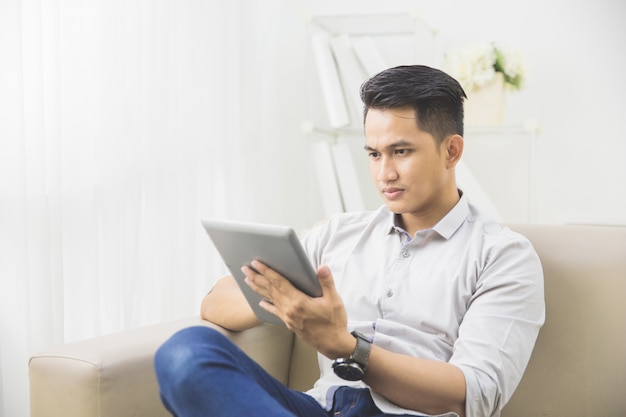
(113, 375)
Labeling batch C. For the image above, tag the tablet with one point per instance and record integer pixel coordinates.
(278, 247)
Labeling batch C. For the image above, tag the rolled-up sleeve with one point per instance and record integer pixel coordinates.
(501, 325)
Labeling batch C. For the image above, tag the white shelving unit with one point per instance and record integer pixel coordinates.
(361, 45)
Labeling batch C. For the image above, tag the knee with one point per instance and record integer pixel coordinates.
(180, 357)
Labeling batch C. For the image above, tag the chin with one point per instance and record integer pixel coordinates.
(395, 207)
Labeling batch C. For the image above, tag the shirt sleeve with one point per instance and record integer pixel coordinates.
(501, 325)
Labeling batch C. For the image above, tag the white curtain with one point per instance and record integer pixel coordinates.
(119, 130)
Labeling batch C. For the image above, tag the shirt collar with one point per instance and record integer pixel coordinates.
(446, 227)
(451, 222)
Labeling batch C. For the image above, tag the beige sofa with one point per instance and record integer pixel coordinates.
(578, 368)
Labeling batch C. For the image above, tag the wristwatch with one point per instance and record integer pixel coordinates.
(354, 367)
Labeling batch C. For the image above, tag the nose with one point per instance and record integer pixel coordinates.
(386, 170)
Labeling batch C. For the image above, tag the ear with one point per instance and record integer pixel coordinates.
(454, 149)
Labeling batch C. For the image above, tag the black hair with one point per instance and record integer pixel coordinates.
(436, 97)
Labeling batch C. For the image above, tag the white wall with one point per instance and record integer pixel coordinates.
(575, 90)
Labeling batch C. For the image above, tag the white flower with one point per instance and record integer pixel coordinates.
(476, 65)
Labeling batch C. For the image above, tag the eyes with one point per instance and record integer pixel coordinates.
(398, 152)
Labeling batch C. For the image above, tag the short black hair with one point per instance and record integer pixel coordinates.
(436, 97)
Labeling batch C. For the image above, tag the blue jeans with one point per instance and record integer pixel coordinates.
(203, 374)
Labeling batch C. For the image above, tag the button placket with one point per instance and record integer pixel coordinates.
(401, 263)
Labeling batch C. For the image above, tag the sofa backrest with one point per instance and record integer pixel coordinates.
(578, 367)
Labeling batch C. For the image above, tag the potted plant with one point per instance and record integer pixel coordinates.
(484, 71)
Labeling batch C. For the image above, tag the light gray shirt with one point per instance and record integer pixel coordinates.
(467, 291)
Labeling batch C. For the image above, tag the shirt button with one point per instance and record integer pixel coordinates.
(389, 293)
(405, 253)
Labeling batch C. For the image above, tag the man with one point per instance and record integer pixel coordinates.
(428, 308)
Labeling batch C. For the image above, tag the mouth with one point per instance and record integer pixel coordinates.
(391, 193)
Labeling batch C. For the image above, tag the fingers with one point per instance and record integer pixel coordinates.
(294, 308)
(273, 287)
(263, 279)
(276, 290)
(266, 281)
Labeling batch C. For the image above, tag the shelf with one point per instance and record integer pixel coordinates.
(528, 127)
(310, 127)
(367, 24)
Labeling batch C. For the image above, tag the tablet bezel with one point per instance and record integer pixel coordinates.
(239, 243)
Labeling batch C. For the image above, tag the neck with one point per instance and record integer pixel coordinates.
(414, 222)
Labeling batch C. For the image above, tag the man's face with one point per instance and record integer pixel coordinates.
(407, 166)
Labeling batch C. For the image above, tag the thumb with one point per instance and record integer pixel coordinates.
(326, 278)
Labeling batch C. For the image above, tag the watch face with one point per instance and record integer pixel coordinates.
(350, 371)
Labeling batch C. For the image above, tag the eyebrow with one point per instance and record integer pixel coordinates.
(399, 144)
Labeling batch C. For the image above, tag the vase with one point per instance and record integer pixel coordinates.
(485, 105)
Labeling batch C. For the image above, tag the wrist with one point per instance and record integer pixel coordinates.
(342, 346)
(349, 345)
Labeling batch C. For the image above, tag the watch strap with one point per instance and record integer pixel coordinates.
(362, 350)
